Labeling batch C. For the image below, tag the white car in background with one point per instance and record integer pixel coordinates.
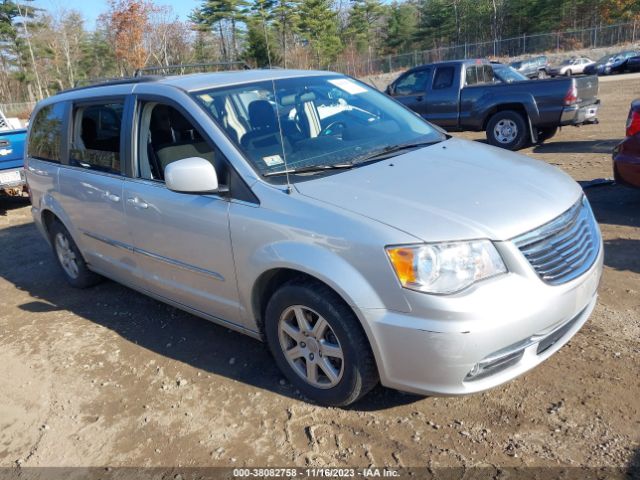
(571, 66)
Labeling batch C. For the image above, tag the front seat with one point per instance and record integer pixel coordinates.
(264, 124)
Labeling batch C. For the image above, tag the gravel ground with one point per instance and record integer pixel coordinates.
(107, 376)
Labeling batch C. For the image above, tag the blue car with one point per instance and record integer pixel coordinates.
(12, 180)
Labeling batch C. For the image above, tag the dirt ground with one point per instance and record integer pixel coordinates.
(107, 376)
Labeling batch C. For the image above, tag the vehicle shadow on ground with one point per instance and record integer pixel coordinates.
(617, 205)
(633, 467)
(12, 203)
(151, 324)
(578, 146)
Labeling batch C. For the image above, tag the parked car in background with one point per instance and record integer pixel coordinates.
(506, 74)
(620, 61)
(12, 180)
(601, 67)
(633, 63)
(463, 95)
(571, 66)
(535, 67)
(612, 63)
(626, 155)
(312, 211)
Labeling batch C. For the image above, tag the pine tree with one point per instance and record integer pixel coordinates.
(401, 27)
(223, 17)
(318, 26)
(362, 24)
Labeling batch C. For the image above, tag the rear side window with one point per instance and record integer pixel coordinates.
(443, 78)
(96, 136)
(471, 76)
(413, 83)
(46, 133)
(478, 74)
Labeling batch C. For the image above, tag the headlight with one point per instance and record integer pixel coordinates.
(443, 268)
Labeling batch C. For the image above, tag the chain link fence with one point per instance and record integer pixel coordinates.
(556, 42)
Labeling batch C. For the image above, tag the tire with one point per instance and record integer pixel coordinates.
(542, 74)
(70, 259)
(317, 346)
(507, 129)
(546, 133)
(568, 73)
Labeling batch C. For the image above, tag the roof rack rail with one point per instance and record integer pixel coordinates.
(103, 82)
(185, 68)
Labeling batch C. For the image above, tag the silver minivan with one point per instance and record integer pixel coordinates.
(311, 211)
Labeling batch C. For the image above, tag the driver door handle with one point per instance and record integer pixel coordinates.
(111, 197)
(137, 202)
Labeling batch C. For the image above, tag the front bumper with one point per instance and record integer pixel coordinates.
(509, 323)
(580, 114)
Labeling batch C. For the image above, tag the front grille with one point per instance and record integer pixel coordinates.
(564, 248)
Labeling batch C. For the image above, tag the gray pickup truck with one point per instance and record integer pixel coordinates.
(464, 95)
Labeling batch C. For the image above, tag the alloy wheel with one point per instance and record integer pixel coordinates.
(311, 347)
(66, 256)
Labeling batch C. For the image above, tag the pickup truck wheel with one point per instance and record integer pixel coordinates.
(318, 343)
(507, 129)
(542, 74)
(546, 133)
(70, 259)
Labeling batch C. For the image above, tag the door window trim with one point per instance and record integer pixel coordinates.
(89, 102)
(429, 75)
(133, 173)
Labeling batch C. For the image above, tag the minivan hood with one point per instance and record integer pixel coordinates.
(453, 190)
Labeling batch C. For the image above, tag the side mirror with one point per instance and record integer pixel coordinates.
(389, 90)
(191, 175)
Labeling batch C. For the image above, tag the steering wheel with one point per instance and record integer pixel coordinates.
(327, 130)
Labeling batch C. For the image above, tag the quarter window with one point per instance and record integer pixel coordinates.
(96, 137)
(46, 133)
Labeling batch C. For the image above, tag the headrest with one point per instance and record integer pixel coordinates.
(261, 115)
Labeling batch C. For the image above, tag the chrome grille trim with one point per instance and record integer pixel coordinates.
(564, 248)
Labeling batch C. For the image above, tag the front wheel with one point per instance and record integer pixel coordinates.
(319, 344)
(542, 74)
(507, 129)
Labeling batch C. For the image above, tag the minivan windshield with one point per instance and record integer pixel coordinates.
(314, 123)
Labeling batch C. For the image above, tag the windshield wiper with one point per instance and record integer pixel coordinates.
(389, 151)
(310, 169)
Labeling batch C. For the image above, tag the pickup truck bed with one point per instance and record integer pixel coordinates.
(462, 95)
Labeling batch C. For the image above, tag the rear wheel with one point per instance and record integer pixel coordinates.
(70, 259)
(507, 129)
(568, 73)
(319, 344)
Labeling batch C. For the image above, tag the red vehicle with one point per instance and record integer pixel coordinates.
(626, 155)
